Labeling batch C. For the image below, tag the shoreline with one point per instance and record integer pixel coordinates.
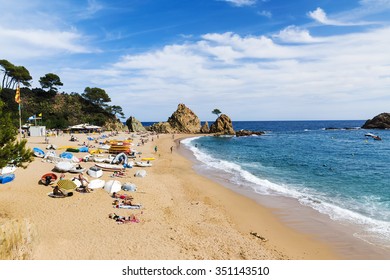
(339, 237)
(183, 216)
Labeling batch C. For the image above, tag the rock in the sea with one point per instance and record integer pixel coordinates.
(134, 125)
(205, 128)
(222, 126)
(244, 132)
(381, 121)
(183, 120)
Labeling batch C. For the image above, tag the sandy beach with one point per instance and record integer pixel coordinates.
(183, 216)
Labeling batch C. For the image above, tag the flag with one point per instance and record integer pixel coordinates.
(40, 115)
(17, 95)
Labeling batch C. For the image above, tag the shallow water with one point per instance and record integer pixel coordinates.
(339, 172)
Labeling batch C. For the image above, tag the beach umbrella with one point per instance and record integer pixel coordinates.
(112, 186)
(66, 184)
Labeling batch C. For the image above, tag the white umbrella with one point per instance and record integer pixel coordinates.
(112, 186)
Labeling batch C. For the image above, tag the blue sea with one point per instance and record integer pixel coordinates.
(329, 166)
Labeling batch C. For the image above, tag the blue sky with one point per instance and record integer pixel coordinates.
(252, 59)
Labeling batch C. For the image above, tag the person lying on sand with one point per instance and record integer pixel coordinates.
(125, 202)
(121, 196)
(123, 219)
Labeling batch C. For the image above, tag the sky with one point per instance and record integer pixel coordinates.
(251, 59)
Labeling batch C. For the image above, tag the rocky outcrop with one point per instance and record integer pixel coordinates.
(162, 127)
(205, 128)
(244, 132)
(114, 125)
(222, 126)
(381, 121)
(183, 120)
(134, 125)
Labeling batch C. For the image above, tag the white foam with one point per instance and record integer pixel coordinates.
(372, 228)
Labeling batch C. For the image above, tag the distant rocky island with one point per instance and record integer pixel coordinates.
(184, 120)
(381, 121)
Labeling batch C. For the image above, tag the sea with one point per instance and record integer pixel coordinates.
(330, 167)
(327, 175)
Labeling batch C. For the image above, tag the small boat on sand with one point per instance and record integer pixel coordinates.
(109, 167)
(48, 179)
(95, 172)
(143, 164)
(7, 169)
(38, 152)
(7, 178)
(64, 166)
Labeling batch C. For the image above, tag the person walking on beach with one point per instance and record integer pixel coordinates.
(155, 149)
(171, 149)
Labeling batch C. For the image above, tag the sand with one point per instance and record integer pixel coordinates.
(183, 216)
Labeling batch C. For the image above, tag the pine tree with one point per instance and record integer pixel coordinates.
(11, 150)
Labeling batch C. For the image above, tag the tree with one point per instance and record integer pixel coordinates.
(12, 151)
(14, 74)
(7, 68)
(96, 96)
(216, 111)
(116, 110)
(50, 81)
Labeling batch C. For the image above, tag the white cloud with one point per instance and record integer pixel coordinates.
(241, 3)
(265, 13)
(320, 16)
(243, 75)
(37, 42)
(354, 17)
(294, 34)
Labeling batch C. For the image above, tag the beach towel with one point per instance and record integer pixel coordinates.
(123, 206)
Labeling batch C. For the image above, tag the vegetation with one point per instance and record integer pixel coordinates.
(50, 81)
(14, 74)
(12, 151)
(217, 112)
(59, 110)
(16, 239)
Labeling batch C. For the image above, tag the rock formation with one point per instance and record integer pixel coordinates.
(134, 125)
(222, 126)
(162, 127)
(244, 132)
(114, 125)
(381, 121)
(205, 128)
(183, 120)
